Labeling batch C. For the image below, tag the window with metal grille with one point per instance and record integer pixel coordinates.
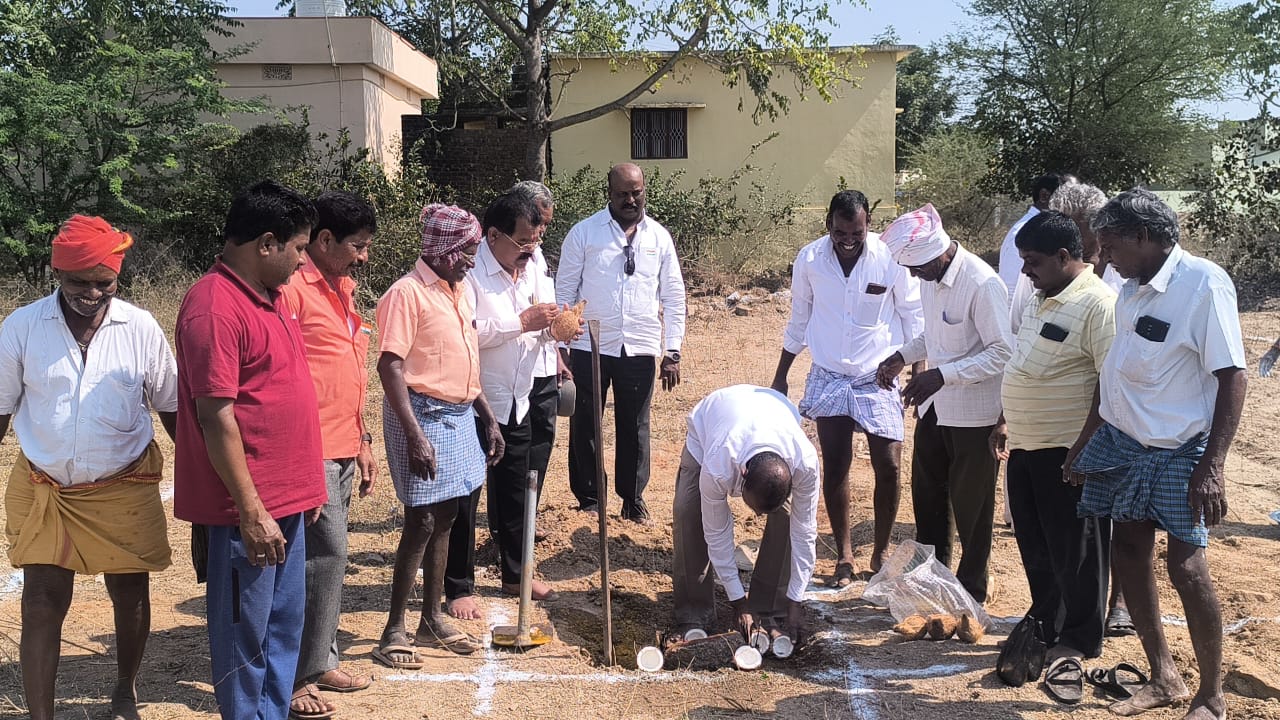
(658, 133)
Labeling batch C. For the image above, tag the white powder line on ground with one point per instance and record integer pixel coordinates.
(487, 676)
(857, 684)
(524, 676)
(166, 491)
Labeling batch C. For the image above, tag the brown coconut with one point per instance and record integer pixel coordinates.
(912, 628)
(969, 629)
(565, 327)
(942, 626)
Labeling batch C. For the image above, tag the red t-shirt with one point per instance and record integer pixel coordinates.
(234, 344)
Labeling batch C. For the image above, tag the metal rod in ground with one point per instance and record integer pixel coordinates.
(526, 565)
(602, 489)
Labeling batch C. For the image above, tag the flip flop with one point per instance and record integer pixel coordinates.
(458, 643)
(1113, 681)
(312, 692)
(843, 576)
(384, 655)
(349, 682)
(1119, 623)
(1065, 680)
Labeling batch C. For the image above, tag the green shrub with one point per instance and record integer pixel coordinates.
(946, 170)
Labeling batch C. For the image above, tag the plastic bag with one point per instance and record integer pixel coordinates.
(913, 582)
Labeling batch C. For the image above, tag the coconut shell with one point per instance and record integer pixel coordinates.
(912, 628)
(565, 326)
(942, 626)
(969, 630)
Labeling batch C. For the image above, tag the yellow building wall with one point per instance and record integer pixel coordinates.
(817, 143)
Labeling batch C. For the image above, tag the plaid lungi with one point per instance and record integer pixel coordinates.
(451, 430)
(874, 409)
(1127, 481)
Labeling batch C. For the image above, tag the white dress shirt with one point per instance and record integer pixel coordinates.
(632, 309)
(871, 325)
(545, 291)
(1162, 393)
(1010, 260)
(81, 420)
(507, 355)
(1025, 291)
(966, 337)
(726, 429)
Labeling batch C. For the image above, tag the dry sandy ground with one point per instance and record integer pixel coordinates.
(854, 669)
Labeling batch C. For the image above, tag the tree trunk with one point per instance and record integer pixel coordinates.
(535, 154)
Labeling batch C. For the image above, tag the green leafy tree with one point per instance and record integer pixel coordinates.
(1260, 70)
(482, 43)
(1099, 88)
(926, 94)
(1237, 210)
(97, 99)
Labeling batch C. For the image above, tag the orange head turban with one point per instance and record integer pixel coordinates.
(86, 242)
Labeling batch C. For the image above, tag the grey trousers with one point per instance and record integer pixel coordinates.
(326, 570)
(691, 573)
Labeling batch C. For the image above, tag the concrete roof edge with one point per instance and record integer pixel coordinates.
(900, 50)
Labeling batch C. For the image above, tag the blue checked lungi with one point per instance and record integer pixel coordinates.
(874, 409)
(1127, 481)
(451, 430)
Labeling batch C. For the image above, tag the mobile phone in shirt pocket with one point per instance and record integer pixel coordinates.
(870, 305)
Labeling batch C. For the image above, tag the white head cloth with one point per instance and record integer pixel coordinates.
(916, 237)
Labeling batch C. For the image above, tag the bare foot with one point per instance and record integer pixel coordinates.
(541, 590)
(1155, 694)
(465, 608)
(124, 705)
(1214, 708)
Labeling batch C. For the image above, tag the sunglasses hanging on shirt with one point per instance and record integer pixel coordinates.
(630, 267)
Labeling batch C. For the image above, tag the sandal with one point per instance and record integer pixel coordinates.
(1064, 680)
(310, 692)
(459, 643)
(843, 576)
(386, 654)
(1114, 682)
(340, 681)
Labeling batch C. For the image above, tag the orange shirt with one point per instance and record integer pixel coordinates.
(337, 345)
(431, 326)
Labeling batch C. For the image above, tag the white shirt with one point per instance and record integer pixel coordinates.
(631, 308)
(726, 429)
(545, 291)
(507, 355)
(81, 420)
(966, 337)
(1025, 291)
(1010, 260)
(1163, 393)
(871, 325)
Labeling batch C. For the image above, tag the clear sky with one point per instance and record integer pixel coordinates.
(917, 22)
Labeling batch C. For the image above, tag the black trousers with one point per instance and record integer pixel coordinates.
(506, 499)
(1066, 558)
(460, 569)
(953, 494)
(544, 401)
(632, 380)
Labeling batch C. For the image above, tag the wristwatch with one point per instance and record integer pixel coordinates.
(672, 355)
(366, 438)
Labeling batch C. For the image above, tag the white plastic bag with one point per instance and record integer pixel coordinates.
(913, 582)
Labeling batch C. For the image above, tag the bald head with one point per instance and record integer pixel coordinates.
(766, 482)
(626, 194)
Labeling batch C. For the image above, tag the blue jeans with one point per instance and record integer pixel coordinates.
(255, 623)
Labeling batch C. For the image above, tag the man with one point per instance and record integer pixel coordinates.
(249, 460)
(1042, 189)
(322, 298)
(78, 370)
(430, 371)
(966, 341)
(1152, 452)
(1048, 386)
(511, 325)
(847, 279)
(551, 370)
(624, 264)
(745, 441)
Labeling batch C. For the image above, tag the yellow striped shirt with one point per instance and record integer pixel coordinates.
(1048, 383)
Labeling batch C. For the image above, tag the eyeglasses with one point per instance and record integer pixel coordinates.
(526, 247)
(630, 252)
